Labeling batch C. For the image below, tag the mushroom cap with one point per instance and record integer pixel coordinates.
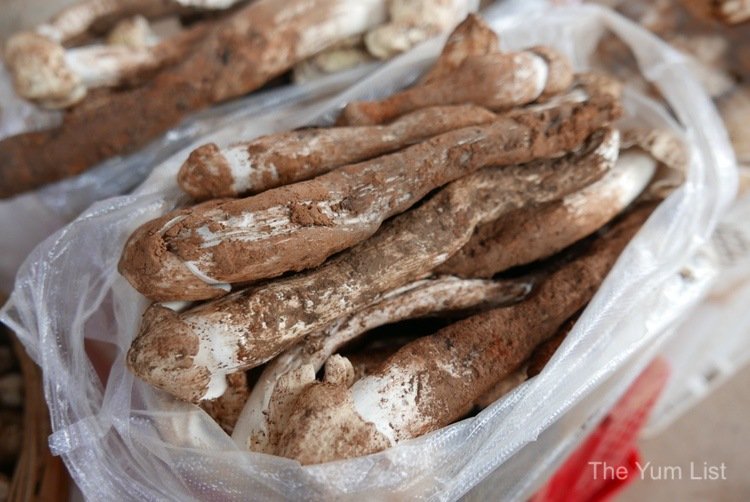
(40, 72)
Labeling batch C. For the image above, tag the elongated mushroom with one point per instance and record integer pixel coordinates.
(101, 65)
(44, 70)
(417, 299)
(343, 55)
(188, 354)
(735, 109)
(532, 234)
(240, 54)
(196, 253)
(497, 81)
(473, 37)
(288, 157)
(436, 379)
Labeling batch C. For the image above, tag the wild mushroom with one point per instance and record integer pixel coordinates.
(255, 427)
(497, 81)
(44, 70)
(194, 253)
(188, 354)
(532, 234)
(288, 157)
(436, 379)
(241, 53)
(414, 21)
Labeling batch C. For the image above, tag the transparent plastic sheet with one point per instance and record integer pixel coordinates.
(121, 439)
(30, 217)
(714, 341)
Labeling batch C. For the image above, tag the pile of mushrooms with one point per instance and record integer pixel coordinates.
(491, 198)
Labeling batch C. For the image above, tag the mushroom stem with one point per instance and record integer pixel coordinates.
(196, 253)
(417, 299)
(190, 353)
(532, 234)
(437, 379)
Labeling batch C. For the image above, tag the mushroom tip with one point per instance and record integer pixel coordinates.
(40, 71)
(164, 355)
(206, 173)
(359, 113)
(159, 274)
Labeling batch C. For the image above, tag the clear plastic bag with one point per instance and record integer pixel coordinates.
(30, 217)
(713, 342)
(121, 439)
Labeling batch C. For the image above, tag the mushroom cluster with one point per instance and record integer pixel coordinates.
(485, 203)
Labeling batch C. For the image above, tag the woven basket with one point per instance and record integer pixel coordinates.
(37, 476)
